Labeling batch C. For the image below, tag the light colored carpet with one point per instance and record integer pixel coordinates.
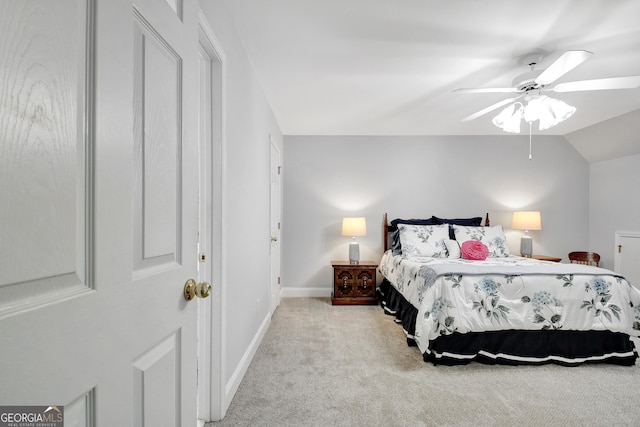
(324, 365)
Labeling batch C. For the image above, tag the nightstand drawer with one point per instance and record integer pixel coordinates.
(354, 284)
(365, 283)
(344, 283)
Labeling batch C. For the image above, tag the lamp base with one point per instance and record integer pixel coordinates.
(354, 253)
(526, 246)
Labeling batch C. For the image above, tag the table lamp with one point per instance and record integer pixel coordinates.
(526, 221)
(354, 227)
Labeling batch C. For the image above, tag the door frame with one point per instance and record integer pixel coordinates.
(212, 400)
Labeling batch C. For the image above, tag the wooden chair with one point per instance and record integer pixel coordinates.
(589, 258)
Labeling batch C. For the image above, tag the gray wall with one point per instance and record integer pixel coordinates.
(614, 203)
(249, 122)
(327, 178)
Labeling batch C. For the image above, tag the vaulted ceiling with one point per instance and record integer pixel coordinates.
(389, 67)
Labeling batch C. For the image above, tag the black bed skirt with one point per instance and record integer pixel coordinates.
(519, 347)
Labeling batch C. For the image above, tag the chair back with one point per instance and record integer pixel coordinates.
(589, 258)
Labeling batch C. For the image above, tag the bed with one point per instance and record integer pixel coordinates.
(503, 309)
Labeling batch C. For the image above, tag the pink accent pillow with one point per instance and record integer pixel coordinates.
(474, 250)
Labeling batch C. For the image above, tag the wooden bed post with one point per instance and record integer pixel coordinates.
(385, 232)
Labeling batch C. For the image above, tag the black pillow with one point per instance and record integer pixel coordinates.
(396, 248)
(468, 222)
(428, 221)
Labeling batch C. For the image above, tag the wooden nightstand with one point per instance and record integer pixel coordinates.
(546, 258)
(354, 284)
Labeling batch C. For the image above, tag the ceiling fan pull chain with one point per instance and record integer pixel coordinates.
(529, 140)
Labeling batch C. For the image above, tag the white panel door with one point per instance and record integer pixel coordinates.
(276, 224)
(627, 256)
(98, 213)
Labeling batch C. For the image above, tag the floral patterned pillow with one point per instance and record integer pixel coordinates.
(424, 240)
(492, 237)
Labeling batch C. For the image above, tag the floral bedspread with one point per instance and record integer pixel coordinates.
(458, 295)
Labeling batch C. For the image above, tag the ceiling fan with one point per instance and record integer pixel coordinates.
(530, 84)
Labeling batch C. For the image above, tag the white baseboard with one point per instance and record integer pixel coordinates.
(306, 292)
(232, 386)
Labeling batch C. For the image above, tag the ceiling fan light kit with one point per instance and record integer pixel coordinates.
(548, 111)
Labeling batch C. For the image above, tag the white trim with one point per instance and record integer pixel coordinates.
(305, 292)
(217, 398)
(234, 382)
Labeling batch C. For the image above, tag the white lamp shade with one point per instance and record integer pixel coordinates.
(354, 227)
(509, 119)
(548, 111)
(526, 221)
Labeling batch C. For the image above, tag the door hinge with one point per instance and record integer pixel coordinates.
(278, 280)
(279, 169)
(278, 226)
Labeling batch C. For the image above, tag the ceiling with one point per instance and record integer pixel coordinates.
(388, 67)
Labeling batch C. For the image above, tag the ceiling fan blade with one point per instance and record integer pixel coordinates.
(487, 90)
(567, 62)
(491, 108)
(599, 84)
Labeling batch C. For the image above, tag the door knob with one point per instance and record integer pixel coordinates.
(193, 289)
(203, 289)
(274, 239)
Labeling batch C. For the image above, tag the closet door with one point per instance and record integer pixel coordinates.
(98, 211)
(627, 256)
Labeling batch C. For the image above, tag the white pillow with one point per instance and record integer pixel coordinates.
(424, 240)
(453, 248)
(492, 237)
